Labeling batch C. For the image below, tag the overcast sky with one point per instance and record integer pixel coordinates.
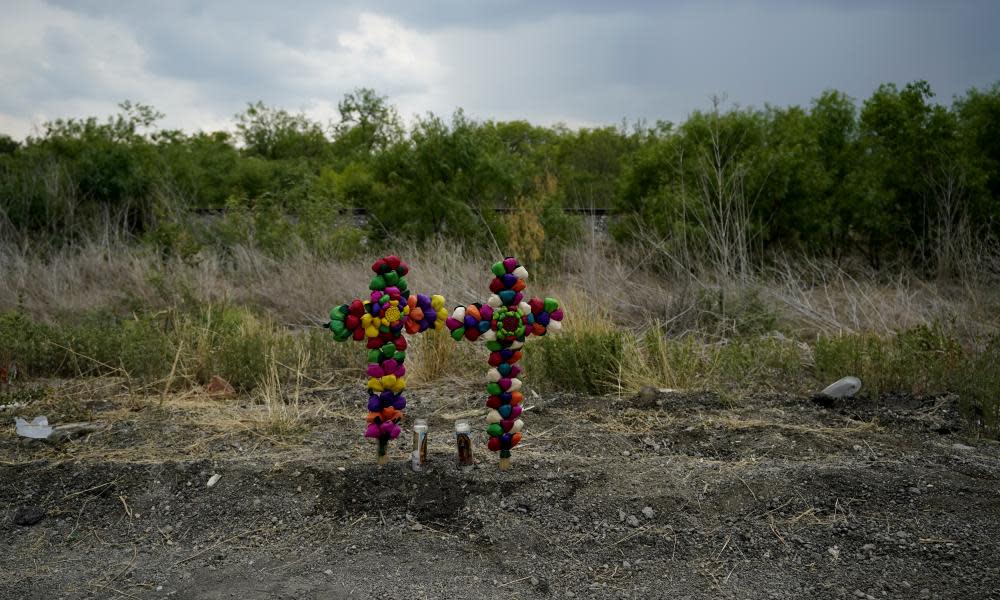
(579, 62)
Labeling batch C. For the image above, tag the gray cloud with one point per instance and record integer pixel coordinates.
(579, 62)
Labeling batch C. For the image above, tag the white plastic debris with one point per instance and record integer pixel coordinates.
(842, 388)
(38, 429)
(214, 479)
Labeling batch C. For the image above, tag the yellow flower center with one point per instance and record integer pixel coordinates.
(392, 314)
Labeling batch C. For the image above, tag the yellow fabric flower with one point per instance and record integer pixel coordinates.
(391, 315)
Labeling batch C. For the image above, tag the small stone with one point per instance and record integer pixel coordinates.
(925, 593)
(570, 594)
(220, 388)
(868, 547)
(647, 396)
(859, 594)
(632, 521)
(958, 446)
(214, 479)
(328, 572)
(648, 512)
(621, 516)
(26, 516)
(626, 453)
(834, 552)
(534, 582)
(416, 526)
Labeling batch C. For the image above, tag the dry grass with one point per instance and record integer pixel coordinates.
(594, 280)
(628, 325)
(819, 298)
(283, 410)
(149, 428)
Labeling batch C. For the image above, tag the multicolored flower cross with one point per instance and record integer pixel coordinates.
(503, 323)
(381, 321)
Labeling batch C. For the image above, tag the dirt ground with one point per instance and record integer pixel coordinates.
(661, 495)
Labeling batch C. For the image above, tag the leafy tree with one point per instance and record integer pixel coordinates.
(902, 179)
(202, 168)
(904, 136)
(834, 123)
(275, 134)
(368, 124)
(589, 164)
(444, 180)
(8, 145)
(978, 113)
(83, 170)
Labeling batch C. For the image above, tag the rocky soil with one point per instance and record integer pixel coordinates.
(661, 495)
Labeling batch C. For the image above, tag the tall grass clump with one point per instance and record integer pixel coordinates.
(185, 346)
(584, 356)
(687, 362)
(580, 361)
(434, 355)
(920, 360)
(978, 384)
(96, 343)
(26, 341)
(283, 413)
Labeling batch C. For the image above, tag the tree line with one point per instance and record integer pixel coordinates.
(898, 178)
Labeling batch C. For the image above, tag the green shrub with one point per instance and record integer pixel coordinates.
(223, 340)
(921, 360)
(734, 315)
(580, 360)
(100, 343)
(744, 364)
(687, 362)
(26, 341)
(978, 384)
(663, 361)
(238, 345)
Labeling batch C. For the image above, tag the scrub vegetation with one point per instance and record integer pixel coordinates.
(743, 249)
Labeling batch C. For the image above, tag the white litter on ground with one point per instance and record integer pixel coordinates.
(38, 429)
(843, 388)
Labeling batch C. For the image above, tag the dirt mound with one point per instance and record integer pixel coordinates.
(680, 496)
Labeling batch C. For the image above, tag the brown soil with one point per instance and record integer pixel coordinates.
(657, 496)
